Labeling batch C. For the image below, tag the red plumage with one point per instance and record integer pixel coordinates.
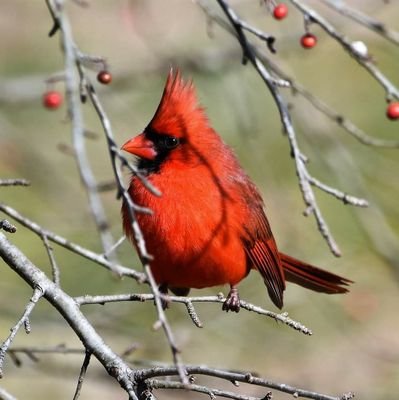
(209, 226)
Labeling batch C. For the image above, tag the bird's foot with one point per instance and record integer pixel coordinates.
(232, 302)
(163, 290)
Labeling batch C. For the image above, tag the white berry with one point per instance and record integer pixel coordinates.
(360, 48)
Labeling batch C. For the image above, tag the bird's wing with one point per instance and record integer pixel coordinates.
(261, 247)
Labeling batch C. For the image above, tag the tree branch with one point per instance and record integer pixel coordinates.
(188, 302)
(67, 307)
(37, 294)
(363, 19)
(75, 113)
(14, 182)
(75, 248)
(82, 375)
(301, 170)
(391, 90)
(232, 376)
(4, 395)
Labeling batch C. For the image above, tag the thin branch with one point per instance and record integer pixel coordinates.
(54, 267)
(37, 294)
(391, 90)
(296, 87)
(14, 182)
(90, 255)
(4, 395)
(343, 121)
(301, 170)
(54, 15)
(166, 327)
(143, 377)
(115, 246)
(269, 39)
(211, 392)
(325, 109)
(363, 19)
(7, 226)
(115, 366)
(59, 349)
(78, 137)
(67, 307)
(193, 314)
(283, 317)
(344, 197)
(233, 376)
(82, 375)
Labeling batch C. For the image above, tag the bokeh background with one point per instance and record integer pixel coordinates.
(355, 345)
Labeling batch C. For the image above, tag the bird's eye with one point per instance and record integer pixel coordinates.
(170, 142)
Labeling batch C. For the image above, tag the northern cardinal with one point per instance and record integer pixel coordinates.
(209, 226)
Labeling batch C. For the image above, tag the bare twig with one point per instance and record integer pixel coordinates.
(158, 369)
(86, 253)
(363, 19)
(269, 39)
(114, 365)
(7, 226)
(193, 314)
(31, 351)
(82, 375)
(211, 392)
(54, 267)
(116, 245)
(188, 302)
(305, 179)
(166, 327)
(344, 197)
(233, 376)
(37, 294)
(94, 344)
(14, 182)
(341, 120)
(391, 90)
(301, 170)
(4, 395)
(75, 112)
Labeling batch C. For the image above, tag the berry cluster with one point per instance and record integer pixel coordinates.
(309, 40)
(52, 99)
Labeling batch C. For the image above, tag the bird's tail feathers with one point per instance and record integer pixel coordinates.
(311, 277)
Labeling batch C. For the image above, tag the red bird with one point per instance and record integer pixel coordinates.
(209, 226)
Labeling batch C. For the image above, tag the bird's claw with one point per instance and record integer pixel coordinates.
(163, 290)
(232, 302)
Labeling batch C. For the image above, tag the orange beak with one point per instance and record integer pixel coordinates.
(141, 147)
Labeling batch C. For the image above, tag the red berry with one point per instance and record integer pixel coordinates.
(280, 11)
(52, 99)
(104, 77)
(393, 111)
(308, 41)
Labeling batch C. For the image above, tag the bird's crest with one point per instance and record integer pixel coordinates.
(178, 111)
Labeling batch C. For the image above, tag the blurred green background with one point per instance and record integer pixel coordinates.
(355, 346)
